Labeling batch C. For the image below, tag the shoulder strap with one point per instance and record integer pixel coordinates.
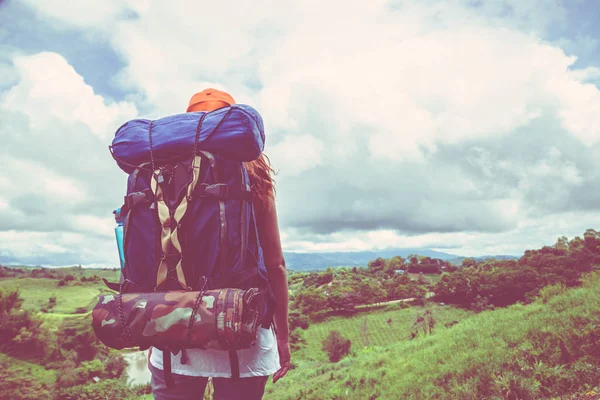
(170, 223)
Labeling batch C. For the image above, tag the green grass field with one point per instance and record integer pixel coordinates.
(380, 333)
(538, 351)
(37, 291)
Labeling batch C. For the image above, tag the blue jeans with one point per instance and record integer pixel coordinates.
(192, 387)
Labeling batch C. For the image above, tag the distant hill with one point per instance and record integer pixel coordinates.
(318, 261)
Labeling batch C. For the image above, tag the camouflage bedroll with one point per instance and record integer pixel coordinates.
(222, 319)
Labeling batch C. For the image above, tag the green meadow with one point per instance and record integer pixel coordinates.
(37, 291)
(384, 326)
(544, 350)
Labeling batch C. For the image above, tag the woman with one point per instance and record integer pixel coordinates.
(271, 354)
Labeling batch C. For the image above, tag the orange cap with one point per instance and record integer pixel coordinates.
(214, 96)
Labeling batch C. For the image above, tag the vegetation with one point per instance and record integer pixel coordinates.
(336, 346)
(62, 359)
(414, 328)
(541, 350)
(506, 282)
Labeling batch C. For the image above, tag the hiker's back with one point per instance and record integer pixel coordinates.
(189, 226)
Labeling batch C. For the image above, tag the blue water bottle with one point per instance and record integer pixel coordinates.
(119, 235)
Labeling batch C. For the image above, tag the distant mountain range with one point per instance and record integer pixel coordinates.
(319, 261)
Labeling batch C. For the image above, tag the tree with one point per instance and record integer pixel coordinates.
(377, 266)
(562, 243)
(426, 261)
(469, 262)
(310, 301)
(397, 262)
(336, 346)
(368, 291)
(341, 298)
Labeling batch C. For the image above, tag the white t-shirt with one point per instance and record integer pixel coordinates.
(260, 360)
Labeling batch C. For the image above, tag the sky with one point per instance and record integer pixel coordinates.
(471, 127)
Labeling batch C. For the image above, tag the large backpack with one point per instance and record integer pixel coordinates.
(188, 215)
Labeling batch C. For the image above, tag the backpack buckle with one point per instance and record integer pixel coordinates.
(219, 190)
(133, 199)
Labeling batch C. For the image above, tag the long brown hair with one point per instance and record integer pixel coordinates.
(262, 183)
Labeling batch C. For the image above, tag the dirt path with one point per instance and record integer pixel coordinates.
(383, 303)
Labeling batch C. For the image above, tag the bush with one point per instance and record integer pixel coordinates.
(298, 320)
(297, 340)
(547, 292)
(104, 389)
(10, 300)
(81, 375)
(423, 322)
(78, 335)
(336, 346)
(22, 386)
(22, 334)
(114, 365)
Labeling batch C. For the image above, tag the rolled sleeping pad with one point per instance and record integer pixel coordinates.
(235, 132)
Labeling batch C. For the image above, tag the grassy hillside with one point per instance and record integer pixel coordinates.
(379, 331)
(548, 349)
(542, 350)
(37, 291)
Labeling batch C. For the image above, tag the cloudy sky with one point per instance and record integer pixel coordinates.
(467, 126)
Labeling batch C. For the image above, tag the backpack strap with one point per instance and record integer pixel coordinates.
(243, 229)
(235, 364)
(169, 221)
(223, 191)
(167, 373)
(224, 244)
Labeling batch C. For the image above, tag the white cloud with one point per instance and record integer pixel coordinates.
(34, 178)
(59, 177)
(391, 122)
(298, 153)
(93, 225)
(58, 249)
(51, 88)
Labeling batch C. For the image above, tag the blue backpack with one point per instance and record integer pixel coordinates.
(188, 216)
